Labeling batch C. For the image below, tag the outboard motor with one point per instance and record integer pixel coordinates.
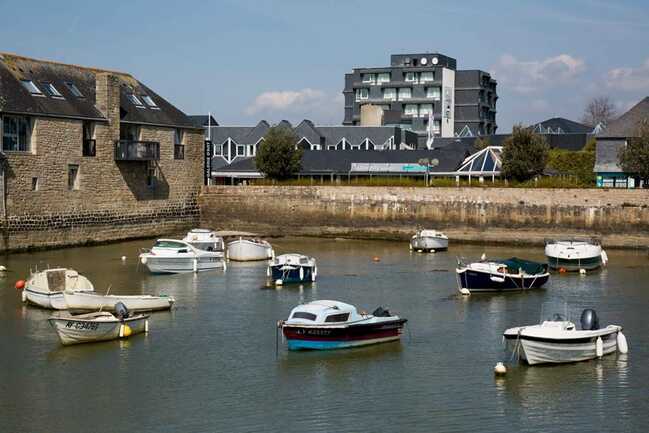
(121, 312)
(380, 312)
(589, 320)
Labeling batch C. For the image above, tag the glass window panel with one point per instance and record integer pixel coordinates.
(405, 93)
(410, 110)
(383, 77)
(489, 164)
(31, 87)
(73, 89)
(149, 101)
(390, 93)
(427, 76)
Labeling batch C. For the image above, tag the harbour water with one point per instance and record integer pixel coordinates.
(210, 365)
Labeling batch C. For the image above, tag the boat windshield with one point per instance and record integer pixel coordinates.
(169, 244)
(554, 311)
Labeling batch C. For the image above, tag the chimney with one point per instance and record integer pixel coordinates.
(107, 97)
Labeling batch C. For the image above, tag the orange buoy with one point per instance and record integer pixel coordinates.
(20, 284)
(562, 270)
(376, 259)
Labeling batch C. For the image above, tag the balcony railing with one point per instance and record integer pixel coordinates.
(130, 150)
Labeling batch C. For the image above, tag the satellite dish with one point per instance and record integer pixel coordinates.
(435, 60)
(423, 60)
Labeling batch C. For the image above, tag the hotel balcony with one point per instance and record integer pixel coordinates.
(130, 150)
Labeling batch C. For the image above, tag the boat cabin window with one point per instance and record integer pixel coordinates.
(303, 260)
(303, 315)
(169, 244)
(342, 317)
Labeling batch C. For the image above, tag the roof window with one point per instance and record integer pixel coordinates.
(74, 89)
(51, 90)
(147, 99)
(31, 87)
(135, 101)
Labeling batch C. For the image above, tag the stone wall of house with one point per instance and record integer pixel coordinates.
(113, 200)
(509, 215)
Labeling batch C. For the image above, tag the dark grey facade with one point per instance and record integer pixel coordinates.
(414, 85)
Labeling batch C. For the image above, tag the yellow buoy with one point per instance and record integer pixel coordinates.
(127, 331)
(500, 369)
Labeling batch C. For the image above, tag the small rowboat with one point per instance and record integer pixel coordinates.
(244, 250)
(94, 301)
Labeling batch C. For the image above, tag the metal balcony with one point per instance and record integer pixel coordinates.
(130, 150)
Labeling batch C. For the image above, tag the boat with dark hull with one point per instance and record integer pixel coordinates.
(323, 325)
(292, 268)
(501, 275)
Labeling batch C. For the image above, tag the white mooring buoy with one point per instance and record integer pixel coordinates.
(582, 271)
(123, 258)
(279, 282)
(465, 291)
(622, 345)
(500, 369)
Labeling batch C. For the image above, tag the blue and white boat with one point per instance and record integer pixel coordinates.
(292, 268)
(500, 275)
(323, 325)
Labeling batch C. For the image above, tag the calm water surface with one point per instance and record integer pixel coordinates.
(210, 365)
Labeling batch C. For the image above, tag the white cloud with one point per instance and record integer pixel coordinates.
(629, 79)
(295, 105)
(539, 105)
(533, 75)
(285, 100)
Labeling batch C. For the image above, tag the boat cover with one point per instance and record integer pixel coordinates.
(529, 267)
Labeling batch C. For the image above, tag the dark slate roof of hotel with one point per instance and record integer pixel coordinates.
(626, 124)
(17, 99)
(566, 125)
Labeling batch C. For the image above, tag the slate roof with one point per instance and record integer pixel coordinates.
(566, 126)
(625, 125)
(17, 99)
(203, 120)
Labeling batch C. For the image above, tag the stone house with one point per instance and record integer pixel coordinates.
(91, 155)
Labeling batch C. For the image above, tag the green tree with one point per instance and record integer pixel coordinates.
(634, 157)
(278, 156)
(591, 145)
(524, 154)
(481, 143)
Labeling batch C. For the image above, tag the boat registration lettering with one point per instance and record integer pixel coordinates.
(313, 331)
(83, 325)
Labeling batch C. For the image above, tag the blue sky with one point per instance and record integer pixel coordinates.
(246, 60)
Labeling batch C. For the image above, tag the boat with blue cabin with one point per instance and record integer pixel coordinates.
(500, 275)
(292, 268)
(322, 325)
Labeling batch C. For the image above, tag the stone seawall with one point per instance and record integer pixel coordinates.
(494, 215)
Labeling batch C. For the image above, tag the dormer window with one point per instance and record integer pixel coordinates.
(31, 87)
(135, 101)
(51, 90)
(74, 89)
(148, 101)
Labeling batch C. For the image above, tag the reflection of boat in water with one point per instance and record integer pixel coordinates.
(336, 325)
(500, 275)
(45, 288)
(249, 249)
(557, 340)
(292, 268)
(574, 255)
(171, 256)
(429, 240)
(204, 239)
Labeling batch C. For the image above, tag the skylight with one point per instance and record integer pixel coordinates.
(51, 90)
(149, 101)
(73, 89)
(135, 100)
(29, 85)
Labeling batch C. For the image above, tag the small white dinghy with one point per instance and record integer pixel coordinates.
(97, 326)
(429, 240)
(94, 301)
(249, 249)
(45, 288)
(557, 340)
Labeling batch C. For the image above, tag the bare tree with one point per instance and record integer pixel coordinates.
(599, 110)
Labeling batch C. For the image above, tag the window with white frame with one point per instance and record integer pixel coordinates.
(355, 147)
(405, 93)
(74, 89)
(410, 110)
(218, 150)
(332, 147)
(433, 93)
(241, 150)
(316, 147)
(427, 77)
(383, 77)
(362, 94)
(251, 150)
(31, 87)
(51, 90)
(411, 77)
(369, 78)
(135, 101)
(16, 133)
(425, 110)
(390, 93)
(150, 102)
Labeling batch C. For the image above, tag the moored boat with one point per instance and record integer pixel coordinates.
(170, 256)
(429, 240)
(574, 254)
(322, 325)
(95, 301)
(204, 239)
(500, 275)
(97, 326)
(45, 288)
(557, 340)
(292, 268)
(249, 249)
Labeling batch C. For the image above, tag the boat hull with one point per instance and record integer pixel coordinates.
(134, 303)
(176, 265)
(49, 300)
(328, 338)
(243, 251)
(76, 331)
(296, 274)
(429, 243)
(476, 281)
(588, 263)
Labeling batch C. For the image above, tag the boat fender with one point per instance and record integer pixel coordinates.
(622, 345)
(599, 347)
(314, 273)
(604, 258)
(20, 284)
(146, 326)
(225, 266)
(500, 369)
(301, 273)
(410, 247)
(143, 260)
(24, 296)
(268, 271)
(3, 268)
(121, 331)
(195, 265)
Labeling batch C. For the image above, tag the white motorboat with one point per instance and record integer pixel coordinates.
(95, 301)
(249, 249)
(292, 268)
(500, 275)
(429, 240)
(204, 239)
(557, 340)
(170, 256)
(45, 288)
(574, 255)
(97, 326)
